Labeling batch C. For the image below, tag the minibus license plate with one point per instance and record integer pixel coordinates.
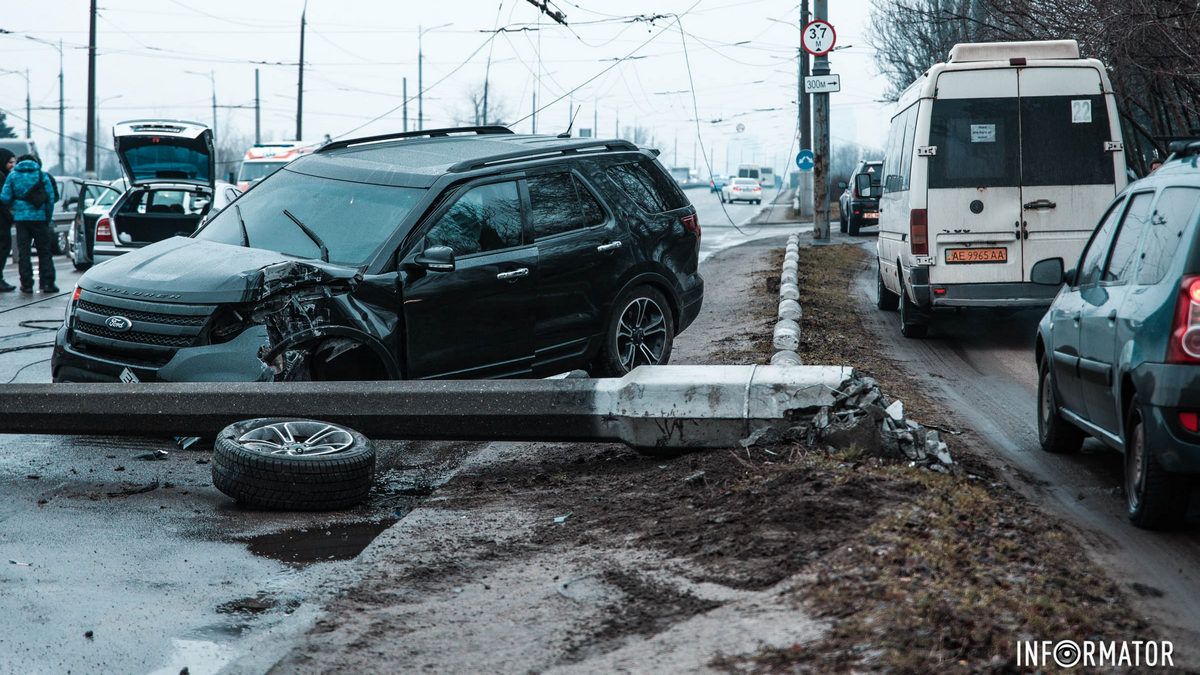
(976, 255)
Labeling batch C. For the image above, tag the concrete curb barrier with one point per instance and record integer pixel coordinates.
(786, 336)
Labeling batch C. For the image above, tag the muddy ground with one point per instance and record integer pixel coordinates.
(588, 557)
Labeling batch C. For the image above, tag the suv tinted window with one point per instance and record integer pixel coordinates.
(484, 218)
(1093, 257)
(976, 142)
(1124, 250)
(1175, 210)
(648, 186)
(559, 203)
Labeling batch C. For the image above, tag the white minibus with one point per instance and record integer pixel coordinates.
(1001, 157)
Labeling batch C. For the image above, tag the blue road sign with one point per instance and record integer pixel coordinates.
(805, 160)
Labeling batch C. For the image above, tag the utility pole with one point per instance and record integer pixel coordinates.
(533, 115)
(404, 95)
(300, 82)
(213, 77)
(90, 160)
(257, 111)
(595, 119)
(61, 114)
(820, 171)
(420, 80)
(804, 187)
(28, 108)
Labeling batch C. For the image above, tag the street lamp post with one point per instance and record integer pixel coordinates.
(421, 73)
(28, 103)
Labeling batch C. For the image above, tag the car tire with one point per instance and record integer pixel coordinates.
(912, 323)
(884, 299)
(842, 222)
(273, 463)
(1055, 434)
(641, 318)
(854, 227)
(81, 266)
(1155, 499)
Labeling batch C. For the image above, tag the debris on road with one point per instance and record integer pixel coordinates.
(154, 456)
(20, 564)
(559, 520)
(137, 490)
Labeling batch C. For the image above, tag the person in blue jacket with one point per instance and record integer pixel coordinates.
(29, 194)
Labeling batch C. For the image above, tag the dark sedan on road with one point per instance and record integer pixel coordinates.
(1119, 349)
(452, 253)
(859, 203)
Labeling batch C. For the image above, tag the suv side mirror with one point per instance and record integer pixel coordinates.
(436, 258)
(841, 185)
(1048, 272)
(862, 182)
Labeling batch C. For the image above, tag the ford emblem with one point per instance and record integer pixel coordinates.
(118, 323)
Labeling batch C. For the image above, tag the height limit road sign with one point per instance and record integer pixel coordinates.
(819, 37)
(822, 84)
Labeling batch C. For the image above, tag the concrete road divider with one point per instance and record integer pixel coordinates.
(786, 336)
(656, 407)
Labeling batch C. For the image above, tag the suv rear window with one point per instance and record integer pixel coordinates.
(559, 203)
(648, 186)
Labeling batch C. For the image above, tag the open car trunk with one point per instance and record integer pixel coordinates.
(151, 215)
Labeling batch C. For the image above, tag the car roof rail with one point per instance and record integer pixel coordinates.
(1184, 147)
(424, 133)
(539, 153)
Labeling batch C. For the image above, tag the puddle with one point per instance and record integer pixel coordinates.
(338, 541)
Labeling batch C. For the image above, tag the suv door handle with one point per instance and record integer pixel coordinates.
(1076, 317)
(1112, 316)
(609, 247)
(514, 274)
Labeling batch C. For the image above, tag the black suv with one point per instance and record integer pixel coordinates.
(450, 253)
(1119, 350)
(859, 203)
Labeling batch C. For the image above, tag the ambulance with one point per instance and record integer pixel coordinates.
(264, 159)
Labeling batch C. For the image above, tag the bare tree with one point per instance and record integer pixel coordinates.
(474, 112)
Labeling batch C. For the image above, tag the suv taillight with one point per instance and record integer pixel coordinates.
(918, 228)
(104, 230)
(1184, 344)
(691, 223)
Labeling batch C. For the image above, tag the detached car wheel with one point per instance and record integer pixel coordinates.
(1155, 499)
(293, 464)
(640, 332)
(1055, 434)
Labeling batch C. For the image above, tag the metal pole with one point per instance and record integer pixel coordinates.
(533, 116)
(90, 160)
(28, 108)
(61, 114)
(420, 80)
(212, 76)
(257, 111)
(804, 187)
(404, 95)
(300, 82)
(821, 149)
(595, 120)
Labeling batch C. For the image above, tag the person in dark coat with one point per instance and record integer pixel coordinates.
(29, 193)
(7, 161)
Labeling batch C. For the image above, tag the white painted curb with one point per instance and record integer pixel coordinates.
(786, 336)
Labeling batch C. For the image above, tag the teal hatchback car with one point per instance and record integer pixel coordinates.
(1119, 349)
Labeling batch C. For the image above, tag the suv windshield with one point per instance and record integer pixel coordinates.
(351, 218)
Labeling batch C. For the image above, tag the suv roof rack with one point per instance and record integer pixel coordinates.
(425, 133)
(536, 153)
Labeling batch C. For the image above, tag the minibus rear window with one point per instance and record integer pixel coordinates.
(1062, 141)
(977, 143)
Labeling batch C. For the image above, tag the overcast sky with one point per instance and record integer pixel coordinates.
(358, 51)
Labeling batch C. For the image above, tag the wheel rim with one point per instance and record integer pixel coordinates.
(1046, 403)
(641, 334)
(1135, 471)
(297, 438)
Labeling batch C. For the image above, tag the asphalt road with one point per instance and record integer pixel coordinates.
(111, 561)
(726, 225)
(981, 365)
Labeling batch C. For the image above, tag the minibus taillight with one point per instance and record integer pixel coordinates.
(104, 229)
(918, 228)
(1184, 343)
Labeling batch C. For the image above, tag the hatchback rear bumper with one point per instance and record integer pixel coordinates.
(1167, 390)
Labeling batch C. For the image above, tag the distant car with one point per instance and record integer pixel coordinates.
(716, 183)
(742, 190)
(171, 172)
(860, 199)
(1118, 352)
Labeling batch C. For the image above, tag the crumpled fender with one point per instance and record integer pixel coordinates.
(314, 336)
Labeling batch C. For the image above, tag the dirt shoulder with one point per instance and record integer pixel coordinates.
(588, 557)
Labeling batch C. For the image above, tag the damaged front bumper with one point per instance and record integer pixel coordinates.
(233, 361)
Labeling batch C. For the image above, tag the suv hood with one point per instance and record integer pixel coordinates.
(171, 151)
(187, 270)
